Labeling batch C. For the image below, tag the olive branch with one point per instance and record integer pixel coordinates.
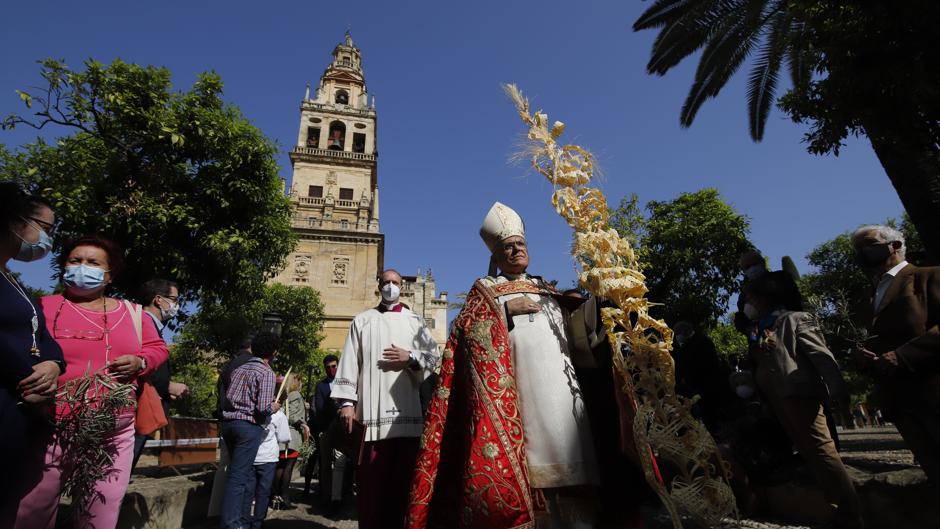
(92, 404)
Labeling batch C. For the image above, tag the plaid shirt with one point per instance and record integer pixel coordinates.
(251, 392)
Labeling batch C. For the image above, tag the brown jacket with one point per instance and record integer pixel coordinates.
(908, 320)
(793, 360)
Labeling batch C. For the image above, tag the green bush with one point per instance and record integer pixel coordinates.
(201, 401)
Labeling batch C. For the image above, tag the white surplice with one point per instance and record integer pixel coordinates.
(389, 404)
(558, 440)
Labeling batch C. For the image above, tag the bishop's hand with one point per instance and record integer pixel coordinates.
(522, 305)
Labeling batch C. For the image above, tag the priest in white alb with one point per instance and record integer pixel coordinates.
(388, 353)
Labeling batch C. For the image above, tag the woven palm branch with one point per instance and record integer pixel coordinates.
(695, 479)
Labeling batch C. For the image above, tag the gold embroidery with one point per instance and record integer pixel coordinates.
(490, 451)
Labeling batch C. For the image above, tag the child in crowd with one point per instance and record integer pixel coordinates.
(278, 432)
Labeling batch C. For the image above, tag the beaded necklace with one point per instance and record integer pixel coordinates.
(34, 350)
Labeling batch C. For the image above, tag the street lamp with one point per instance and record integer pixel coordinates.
(272, 322)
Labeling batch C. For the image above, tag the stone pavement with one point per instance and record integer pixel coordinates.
(892, 489)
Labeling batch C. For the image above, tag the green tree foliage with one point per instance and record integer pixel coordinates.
(730, 344)
(855, 67)
(689, 248)
(214, 334)
(628, 220)
(836, 278)
(185, 184)
(216, 331)
(201, 380)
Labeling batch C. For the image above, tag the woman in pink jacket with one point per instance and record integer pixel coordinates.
(96, 332)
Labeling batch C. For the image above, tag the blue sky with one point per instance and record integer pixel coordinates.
(446, 130)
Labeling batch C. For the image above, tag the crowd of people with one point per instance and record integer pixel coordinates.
(517, 422)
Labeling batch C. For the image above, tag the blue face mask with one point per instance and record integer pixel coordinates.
(34, 251)
(83, 277)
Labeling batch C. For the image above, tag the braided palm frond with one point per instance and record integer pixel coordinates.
(695, 477)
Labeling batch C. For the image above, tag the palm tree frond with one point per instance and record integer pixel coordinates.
(799, 58)
(686, 33)
(664, 12)
(721, 58)
(762, 84)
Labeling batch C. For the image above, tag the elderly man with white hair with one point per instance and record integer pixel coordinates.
(904, 351)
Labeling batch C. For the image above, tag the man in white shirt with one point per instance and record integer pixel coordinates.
(388, 353)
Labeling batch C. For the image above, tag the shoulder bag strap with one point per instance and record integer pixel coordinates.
(136, 312)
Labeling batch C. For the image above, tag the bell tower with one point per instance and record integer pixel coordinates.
(335, 194)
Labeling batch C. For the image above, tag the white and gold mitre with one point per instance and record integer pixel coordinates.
(500, 223)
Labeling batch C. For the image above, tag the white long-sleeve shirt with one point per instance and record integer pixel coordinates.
(389, 404)
(277, 432)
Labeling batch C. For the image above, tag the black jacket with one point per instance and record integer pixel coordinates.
(326, 408)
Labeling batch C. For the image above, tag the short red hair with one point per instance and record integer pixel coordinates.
(113, 249)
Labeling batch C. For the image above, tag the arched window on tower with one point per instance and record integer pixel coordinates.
(337, 139)
(342, 97)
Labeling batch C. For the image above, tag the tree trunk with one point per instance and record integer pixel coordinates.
(911, 159)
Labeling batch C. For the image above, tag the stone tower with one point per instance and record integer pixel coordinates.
(335, 195)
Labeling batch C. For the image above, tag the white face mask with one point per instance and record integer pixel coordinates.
(753, 272)
(751, 312)
(171, 312)
(390, 292)
(744, 391)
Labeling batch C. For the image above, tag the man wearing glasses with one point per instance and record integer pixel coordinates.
(160, 299)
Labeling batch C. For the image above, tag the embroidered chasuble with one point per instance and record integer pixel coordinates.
(388, 402)
(508, 418)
